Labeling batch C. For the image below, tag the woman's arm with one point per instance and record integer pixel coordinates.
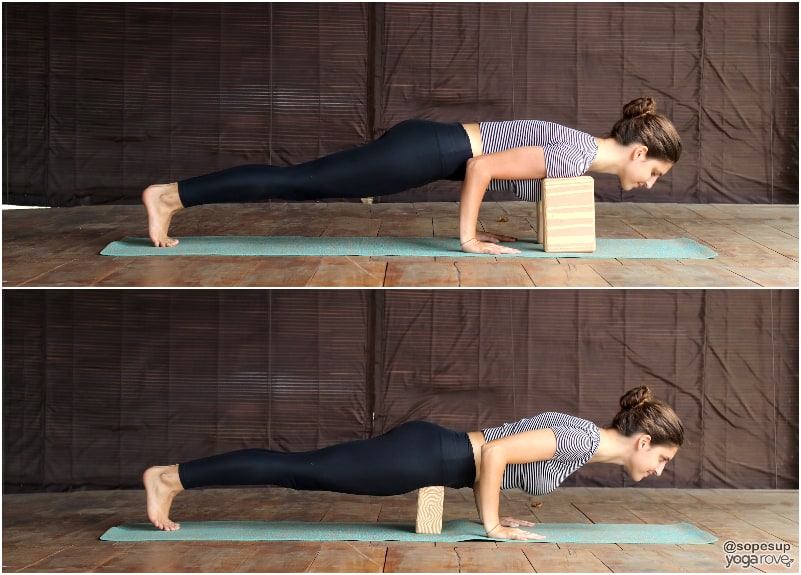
(505, 521)
(537, 445)
(527, 163)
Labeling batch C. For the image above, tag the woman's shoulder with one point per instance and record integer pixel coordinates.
(541, 132)
(522, 125)
(549, 419)
(557, 419)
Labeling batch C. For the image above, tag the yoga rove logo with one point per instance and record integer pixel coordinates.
(754, 554)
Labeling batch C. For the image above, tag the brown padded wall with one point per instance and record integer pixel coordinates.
(98, 385)
(100, 100)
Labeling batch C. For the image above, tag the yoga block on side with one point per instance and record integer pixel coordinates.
(567, 223)
(429, 510)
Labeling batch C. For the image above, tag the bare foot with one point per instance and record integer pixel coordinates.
(161, 202)
(162, 484)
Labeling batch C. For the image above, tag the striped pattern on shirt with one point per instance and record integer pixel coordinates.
(568, 152)
(576, 442)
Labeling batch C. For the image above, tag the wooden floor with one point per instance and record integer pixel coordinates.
(59, 532)
(757, 246)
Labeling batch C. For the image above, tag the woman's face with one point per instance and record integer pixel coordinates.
(642, 172)
(649, 459)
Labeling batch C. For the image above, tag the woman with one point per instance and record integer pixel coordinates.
(514, 156)
(534, 454)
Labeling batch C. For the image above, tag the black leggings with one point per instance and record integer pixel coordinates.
(411, 154)
(414, 455)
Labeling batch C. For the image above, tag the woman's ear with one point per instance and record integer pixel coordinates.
(643, 441)
(639, 152)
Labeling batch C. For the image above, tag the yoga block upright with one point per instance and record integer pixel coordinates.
(566, 215)
(429, 510)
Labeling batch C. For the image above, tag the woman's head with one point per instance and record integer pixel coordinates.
(654, 143)
(656, 431)
(641, 124)
(641, 414)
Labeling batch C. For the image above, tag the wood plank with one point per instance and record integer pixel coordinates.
(788, 227)
(463, 511)
(623, 210)
(437, 209)
(176, 556)
(493, 211)
(697, 273)
(183, 271)
(724, 525)
(566, 513)
(27, 555)
(652, 228)
(507, 225)
(408, 559)
(787, 498)
(397, 512)
(80, 272)
(24, 268)
(676, 212)
(411, 274)
(615, 228)
(504, 558)
(348, 557)
(770, 522)
(393, 210)
(563, 273)
(350, 511)
(549, 559)
(607, 512)
(406, 227)
(776, 277)
(281, 272)
(637, 274)
(771, 238)
(280, 557)
(297, 511)
(703, 558)
(445, 227)
(348, 272)
(657, 514)
(352, 227)
(628, 558)
(490, 272)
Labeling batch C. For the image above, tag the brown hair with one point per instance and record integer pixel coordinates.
(641, 124)
(640, 413)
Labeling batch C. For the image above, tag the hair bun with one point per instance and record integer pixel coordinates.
(635, 397)
(639, 107)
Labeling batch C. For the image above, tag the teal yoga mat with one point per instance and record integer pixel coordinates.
(452, 531)
(673, 249)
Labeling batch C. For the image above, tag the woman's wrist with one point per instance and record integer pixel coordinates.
(473, 239)
(489, 531)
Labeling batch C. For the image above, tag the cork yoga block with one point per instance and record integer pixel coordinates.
(566, 215)
(429, 510)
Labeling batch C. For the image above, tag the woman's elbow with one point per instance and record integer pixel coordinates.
(477, 169)
(489, 452)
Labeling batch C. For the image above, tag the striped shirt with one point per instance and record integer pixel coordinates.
(576, 442)
(568, 152)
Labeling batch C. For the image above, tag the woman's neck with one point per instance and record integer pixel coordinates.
(613, 447)
(610, 158)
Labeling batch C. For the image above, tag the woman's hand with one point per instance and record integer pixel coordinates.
(515, 533)
(493, 238)
(476, 246)
(512, 522)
